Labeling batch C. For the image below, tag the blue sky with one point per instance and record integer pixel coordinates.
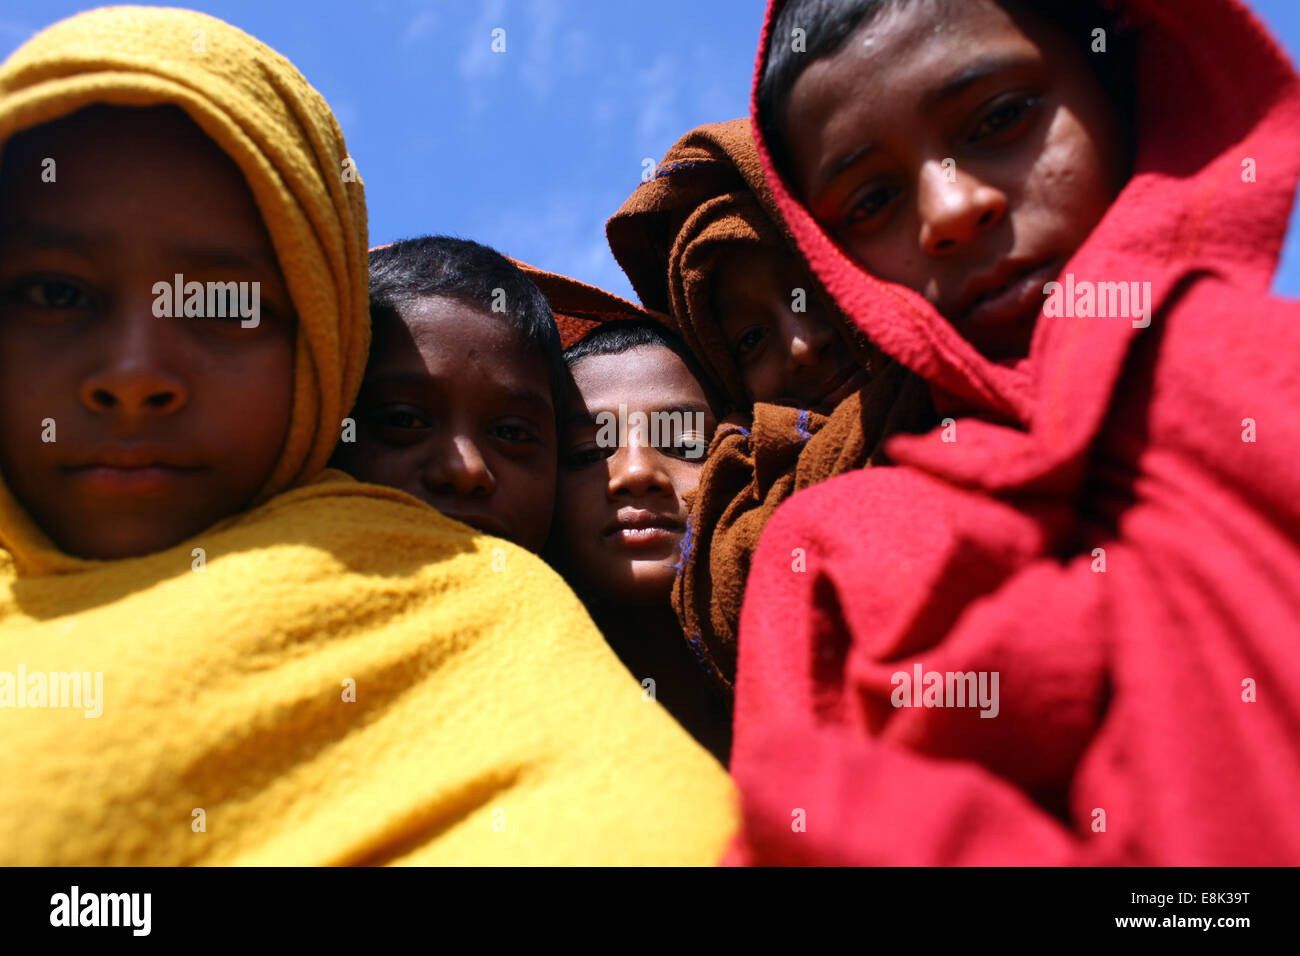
(529, 151)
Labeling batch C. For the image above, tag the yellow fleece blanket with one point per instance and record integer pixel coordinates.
(351, 678)
(338, 674)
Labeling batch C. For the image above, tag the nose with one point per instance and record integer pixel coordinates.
(458, 467)
(955, 213)
(636, 471)
(805, 335)
(134, 379)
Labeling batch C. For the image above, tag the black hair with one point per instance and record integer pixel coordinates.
(828, 24)
(624, 335)
(475, 275)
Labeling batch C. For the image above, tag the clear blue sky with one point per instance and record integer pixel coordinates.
(531, 150)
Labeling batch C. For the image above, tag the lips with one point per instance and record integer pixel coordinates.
(1012, 293)
(639, 527)
(129, 456)
(118, 470)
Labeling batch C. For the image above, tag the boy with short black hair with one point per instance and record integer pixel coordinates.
(632, 452)
(459, 402)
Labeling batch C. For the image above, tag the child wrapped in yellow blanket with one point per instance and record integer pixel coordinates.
(213, 649)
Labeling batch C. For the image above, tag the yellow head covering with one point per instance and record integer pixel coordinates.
(339, 674)
(260, 110)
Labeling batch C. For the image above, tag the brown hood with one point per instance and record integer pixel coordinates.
(705, 198)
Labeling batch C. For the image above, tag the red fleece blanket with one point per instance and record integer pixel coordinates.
(1111, 527)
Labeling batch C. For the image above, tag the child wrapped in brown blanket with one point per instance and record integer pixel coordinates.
(701, 241)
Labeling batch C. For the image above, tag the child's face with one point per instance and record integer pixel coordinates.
(783, 354)
(455, 411)
(620, 513)
(959, 152)
(122, 433)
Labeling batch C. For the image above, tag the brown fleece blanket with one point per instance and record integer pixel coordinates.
(707, 196)
(704, 199)
(753, 465)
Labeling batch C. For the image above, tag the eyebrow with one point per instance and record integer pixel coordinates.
(527, 396)
(26, 233)
(831, 171)
(974, 73)
(398, 378)
(50, 235)
(687, 409)
(225, 258)
(690, 408)
(953, 86)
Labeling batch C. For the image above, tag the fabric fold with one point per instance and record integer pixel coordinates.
(1110, 526)
(338, 674)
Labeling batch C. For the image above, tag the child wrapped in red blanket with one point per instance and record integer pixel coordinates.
(1063, 630)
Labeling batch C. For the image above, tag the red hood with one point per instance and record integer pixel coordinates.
(1185, 210)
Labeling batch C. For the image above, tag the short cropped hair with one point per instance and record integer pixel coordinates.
(474, 275)
(624, 335)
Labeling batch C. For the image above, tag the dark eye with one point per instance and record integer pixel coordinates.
(690, 448)
(1003, 118)
(54, 294)
(399, 418)
(516, 432)
(587, 455)
(749, 340)
(871, 205)
(513, 433)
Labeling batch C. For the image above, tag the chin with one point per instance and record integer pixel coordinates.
(638, 584)
(118, 548)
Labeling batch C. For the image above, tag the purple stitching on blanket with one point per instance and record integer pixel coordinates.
(672, 167)
(698, 647)
(801, 426)
(728, 427)
(685, 547)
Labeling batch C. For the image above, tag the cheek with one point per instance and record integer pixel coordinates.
(39, 380)
(21, 413)
(686, 478)
(372, 459)
(579, 494)
(529, 490)
(1070, 186)
(249, 403)
(893, 253)
(763, 380)
(575, 530)
(379, 464)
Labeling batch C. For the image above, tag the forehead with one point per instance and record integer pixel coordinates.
(750, 270)
(649, 376)
(139, 175)
(909, 50)
(449, 338)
